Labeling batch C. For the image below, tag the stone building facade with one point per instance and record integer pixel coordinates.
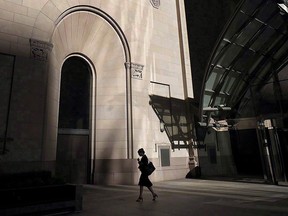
(77, 78)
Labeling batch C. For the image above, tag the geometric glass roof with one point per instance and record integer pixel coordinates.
(252, 48)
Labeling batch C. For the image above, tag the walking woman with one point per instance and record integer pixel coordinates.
(144, 180)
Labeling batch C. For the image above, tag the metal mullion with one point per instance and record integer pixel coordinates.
(232, 97)
(269, 56)
(272, 40)
(226, 47)
(283, 61)
(226, 72)
(247, 46)
(252, 40)
(260, 65)
(264, 22)
(243, 26)
(273, 51)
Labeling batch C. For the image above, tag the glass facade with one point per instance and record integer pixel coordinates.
(249, 58)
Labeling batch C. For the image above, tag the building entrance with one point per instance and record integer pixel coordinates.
(74, 121)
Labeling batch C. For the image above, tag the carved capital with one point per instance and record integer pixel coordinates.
(39, 50)
(136, 69)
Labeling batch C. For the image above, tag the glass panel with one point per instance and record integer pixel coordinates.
(228, 84)
(248, 32)
(229, 56)
(274, 41)
(207, 98)
(237, 23)
(263, 38)
(214, 78)
(264, 71)
(219, 100)
(222, 48)
(282, 51)
(211, 80)
(267, 11)
(276, 21)
(256, 64)
(237, 90)
(250, 6)
(244, 63)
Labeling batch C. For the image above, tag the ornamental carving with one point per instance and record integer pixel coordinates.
(39, 50)
(155, 3)
(136, 70)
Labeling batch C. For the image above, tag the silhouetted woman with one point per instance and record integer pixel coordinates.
(144, 180)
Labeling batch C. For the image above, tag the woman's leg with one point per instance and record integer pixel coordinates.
(141, 191)
(151, 190)
(153, 193)
(140, 198)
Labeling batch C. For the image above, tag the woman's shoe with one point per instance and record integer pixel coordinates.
(140, 199)
(155, 196)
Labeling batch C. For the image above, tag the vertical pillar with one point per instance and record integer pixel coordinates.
(133, 70)
(40, 50)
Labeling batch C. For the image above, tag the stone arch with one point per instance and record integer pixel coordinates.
(106, 17)
(45, 24)
(89, 43)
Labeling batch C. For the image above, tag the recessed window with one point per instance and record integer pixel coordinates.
(165, 156)
(75, 94)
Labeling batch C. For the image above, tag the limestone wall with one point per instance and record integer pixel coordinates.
(110, 35)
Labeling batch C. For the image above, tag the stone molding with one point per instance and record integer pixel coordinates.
(136, 70)
(40, 50)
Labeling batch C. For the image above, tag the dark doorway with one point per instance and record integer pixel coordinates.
(283, 138)
(246, 152)
(74, 124)
(75, 94)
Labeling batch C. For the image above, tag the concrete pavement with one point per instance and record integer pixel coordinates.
(187, 197)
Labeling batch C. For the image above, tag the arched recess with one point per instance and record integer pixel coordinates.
(75, 121)
(89, 31)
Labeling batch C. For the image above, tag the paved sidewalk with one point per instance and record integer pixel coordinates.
(187, 197)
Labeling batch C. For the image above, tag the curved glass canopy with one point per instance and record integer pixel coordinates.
(251, 51)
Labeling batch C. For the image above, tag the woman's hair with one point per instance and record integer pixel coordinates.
(141, 150)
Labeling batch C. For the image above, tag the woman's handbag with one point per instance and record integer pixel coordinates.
(150, 168)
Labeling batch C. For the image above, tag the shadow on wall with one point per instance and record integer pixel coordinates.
(113, 171)
(111, 164)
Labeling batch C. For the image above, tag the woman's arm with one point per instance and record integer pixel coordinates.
(144, 160)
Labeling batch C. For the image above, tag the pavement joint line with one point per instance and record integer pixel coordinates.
(243, 196)
(236, 197)
(248, 205)
(185, 197)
